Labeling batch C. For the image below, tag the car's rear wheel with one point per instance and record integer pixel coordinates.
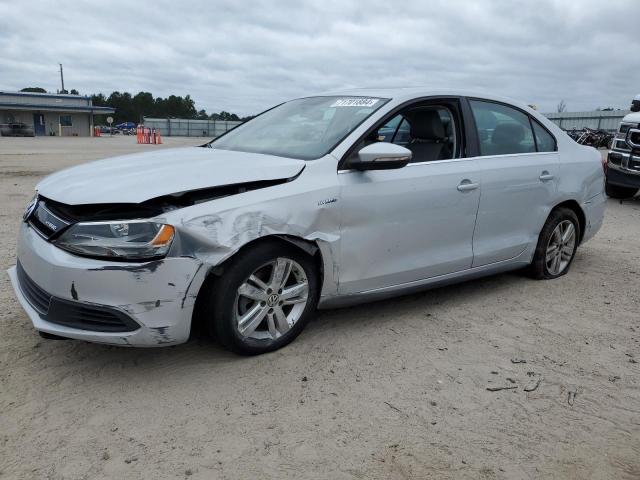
(557, 245)
(264, 298)
(616, 191)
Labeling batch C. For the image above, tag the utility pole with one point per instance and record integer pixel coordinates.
(61, 79)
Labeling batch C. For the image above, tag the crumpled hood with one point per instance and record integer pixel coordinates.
(142, 176)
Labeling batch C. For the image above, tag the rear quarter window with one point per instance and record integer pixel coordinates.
(544, 140)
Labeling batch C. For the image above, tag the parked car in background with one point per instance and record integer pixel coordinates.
(16, 130)
(623, 173)
(106, 130)
(125, 128)
(314, 203)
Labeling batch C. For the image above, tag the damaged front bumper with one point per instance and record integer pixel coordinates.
(137, 304)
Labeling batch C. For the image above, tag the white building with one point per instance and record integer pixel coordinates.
(51, 114)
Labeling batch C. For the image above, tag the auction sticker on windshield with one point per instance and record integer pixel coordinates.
(355, 102)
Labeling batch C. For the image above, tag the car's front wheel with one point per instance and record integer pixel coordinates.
(264, 298)
(557, 245)
(615, 191)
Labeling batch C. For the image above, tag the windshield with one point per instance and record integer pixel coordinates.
(306, 128)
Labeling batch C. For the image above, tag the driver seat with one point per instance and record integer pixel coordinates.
(429, 140)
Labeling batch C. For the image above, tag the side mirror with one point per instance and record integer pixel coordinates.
(381, 156)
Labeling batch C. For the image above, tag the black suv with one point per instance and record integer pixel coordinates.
(623, 173)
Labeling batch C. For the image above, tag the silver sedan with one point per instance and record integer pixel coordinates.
(319, 202)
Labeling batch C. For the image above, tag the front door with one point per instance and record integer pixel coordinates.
(415, 222)
(38, 124)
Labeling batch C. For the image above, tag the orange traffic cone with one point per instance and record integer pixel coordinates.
(158, 138)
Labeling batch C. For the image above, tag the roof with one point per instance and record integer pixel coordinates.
(56, 108)
(409, 93)
(45, 95)
(49, 102)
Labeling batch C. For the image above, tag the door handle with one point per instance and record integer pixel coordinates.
(545, 176)
(467, 186)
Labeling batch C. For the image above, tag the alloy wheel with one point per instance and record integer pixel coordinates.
(271, 300)
(561, 247)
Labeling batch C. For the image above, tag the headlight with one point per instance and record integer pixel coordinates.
(127, 240)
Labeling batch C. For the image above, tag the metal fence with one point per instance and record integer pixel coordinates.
(597, 119)
(181, 127)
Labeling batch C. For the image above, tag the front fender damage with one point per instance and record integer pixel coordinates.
(211, 226)
(214, 238)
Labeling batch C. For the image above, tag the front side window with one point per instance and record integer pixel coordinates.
(502, 130)
(65, 121)
(306, 128)
(429, 131)
(395, 131)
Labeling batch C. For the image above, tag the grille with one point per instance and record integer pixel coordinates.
(83, 316)
(45, 222)
(615, 158)
(621, 145)
(37, 297)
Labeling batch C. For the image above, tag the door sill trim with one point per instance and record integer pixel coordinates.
(334, 301)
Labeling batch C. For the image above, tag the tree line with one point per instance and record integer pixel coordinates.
(132, 108)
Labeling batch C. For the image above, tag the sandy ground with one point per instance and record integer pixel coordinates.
(395, 389)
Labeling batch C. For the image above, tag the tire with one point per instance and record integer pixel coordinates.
(543, 267)
(226, 307)
(615, 191)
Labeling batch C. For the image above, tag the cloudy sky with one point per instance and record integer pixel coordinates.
(244, 56)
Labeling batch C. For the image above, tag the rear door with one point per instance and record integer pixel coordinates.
(519, 168)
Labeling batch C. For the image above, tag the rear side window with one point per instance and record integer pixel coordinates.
(502, 130)
(544, 140)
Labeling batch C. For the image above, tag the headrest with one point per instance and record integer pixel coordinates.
(507, 133)
(427, 125)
